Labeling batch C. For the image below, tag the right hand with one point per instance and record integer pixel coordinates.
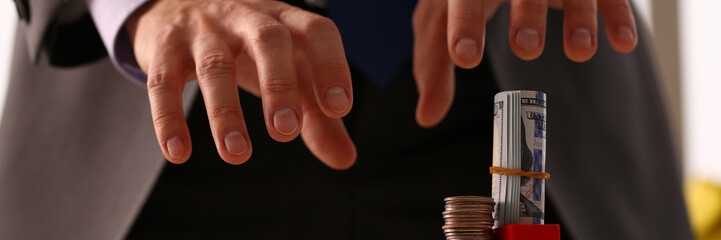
(450, 33)
(293, 59)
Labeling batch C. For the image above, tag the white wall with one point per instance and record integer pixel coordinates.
(701, 87)
(8, 19)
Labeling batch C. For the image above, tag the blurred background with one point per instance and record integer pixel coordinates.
(687, 40)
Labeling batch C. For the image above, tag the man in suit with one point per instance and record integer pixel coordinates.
(76, 143)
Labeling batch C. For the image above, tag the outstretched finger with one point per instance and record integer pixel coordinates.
(432, 65)
(325, 137)
(324, 48)
(270, 45)
(527, 29)
(619, 23)
(580, 29)
(215, 68)
(466, 31)
(165, 85)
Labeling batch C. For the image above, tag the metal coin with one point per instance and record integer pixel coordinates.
(470, 204)
(484, 236)
(469, 222)
(471, 238)
(455, 203)
(469, 218)
(465, 202)
(460, 213)
(478, 219)
(485, 208)
(479, 203)
(470, 210)
(465, 217)
(469, 198)
(462, 232)
(484, 204)
(466, 230)
(449, 220)
(466, 209)
(488, 233)
(456, 221)
(467, 226)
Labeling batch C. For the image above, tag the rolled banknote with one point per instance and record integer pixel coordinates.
(519, 142)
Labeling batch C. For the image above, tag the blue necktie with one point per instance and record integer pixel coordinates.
(377, 35)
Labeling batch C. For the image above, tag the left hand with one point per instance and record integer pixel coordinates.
(291, 58)
(452, 32)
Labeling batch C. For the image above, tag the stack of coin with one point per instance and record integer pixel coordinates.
(469, 218)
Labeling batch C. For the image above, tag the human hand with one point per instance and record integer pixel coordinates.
(293, 59)
(452, 32)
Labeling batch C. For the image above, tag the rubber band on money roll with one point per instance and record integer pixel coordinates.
(518, 172)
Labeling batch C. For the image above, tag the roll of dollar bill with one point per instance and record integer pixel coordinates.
(519, 142)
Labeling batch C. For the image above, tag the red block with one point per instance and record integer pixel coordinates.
(529, 232)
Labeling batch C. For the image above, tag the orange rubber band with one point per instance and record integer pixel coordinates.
(518, 172)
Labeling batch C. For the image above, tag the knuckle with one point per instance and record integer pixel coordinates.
(223, 111)
(214, 62)
(279, 85)
(272, 32)
(331, 67)
(161, 86)
(228, 8)
(199, 20)
(162, 117)
(531, 4)
(315, 23)
(320, 29)
(466, 16)
(160, 82)
(169, 34)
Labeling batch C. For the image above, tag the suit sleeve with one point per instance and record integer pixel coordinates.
(109, 17)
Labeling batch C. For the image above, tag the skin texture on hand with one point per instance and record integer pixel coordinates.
(451, 33)
(293, 59)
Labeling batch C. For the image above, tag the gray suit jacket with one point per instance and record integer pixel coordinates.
(78, 154)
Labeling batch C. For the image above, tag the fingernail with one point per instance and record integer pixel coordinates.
(528, 39)
(235, 142)
(337, 99)
(285, 121)
(467, 48)
(581, 38)
(175, 147)
(625, 33)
